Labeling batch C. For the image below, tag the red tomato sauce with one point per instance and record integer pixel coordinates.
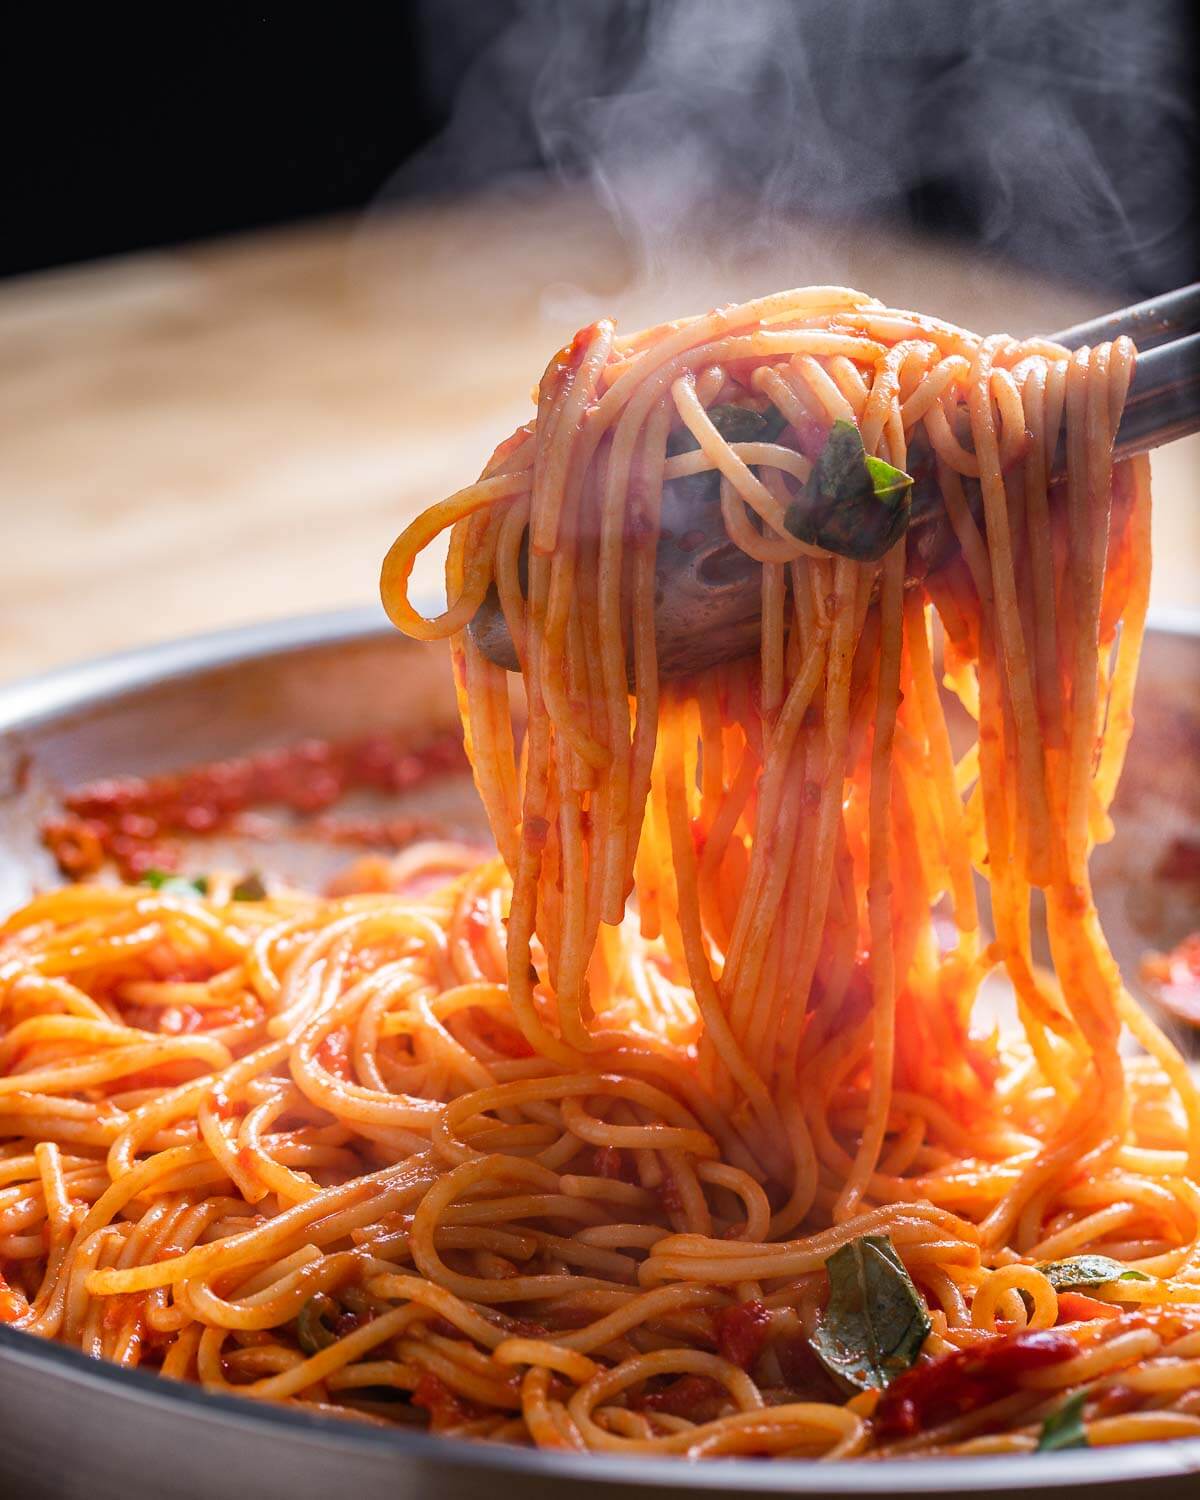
(742, 1332)
(695, 1397)
(135, 822)
(445, 1408)
(957, 1383)
(608, 1162)
(334, 1054)
(1175, 978)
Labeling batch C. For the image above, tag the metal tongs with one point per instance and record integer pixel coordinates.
(708, 590)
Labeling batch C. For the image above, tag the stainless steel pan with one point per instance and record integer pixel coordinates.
(72, 1427)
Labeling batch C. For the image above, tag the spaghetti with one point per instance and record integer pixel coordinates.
(666, 1130)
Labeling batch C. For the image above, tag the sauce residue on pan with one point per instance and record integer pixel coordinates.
(1174, 978)
(135, 822)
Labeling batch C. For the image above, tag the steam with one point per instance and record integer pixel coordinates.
(1060, 136)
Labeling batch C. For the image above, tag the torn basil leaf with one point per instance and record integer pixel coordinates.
(175, 885)
(736, 424)
(853, 504)
(312, 1331)
(1064, 1428)
(250, 888)
(875, 1322)
(1088, 1270)
(773, 422)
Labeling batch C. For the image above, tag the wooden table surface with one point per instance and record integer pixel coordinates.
(225, 433)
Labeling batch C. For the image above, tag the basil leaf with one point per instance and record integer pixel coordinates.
(1064, 1428)
(774, 422)
(875, 1321)
(250, 888)
(1088, 1270)
(888, 482)
(852, 504)
(736, 424)
(175, 885)
(312, 1332)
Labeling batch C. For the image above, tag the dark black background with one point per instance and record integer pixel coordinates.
(175, 123)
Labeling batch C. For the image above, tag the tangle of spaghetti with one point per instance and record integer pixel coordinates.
(574, 1145)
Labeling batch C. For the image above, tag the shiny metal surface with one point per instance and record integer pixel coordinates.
(708, 591)
(71, 1427)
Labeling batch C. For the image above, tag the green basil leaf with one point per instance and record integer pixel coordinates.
(312, 1332)
(875, 1321)
(888, 481)
(774, 422)
(736, 424)
(175, 885)
(1088, 1270)
(250, 888)
(1064, 1428)
(852, 504)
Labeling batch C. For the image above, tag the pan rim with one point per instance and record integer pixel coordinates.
(26, 702)
(1096, 1468)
